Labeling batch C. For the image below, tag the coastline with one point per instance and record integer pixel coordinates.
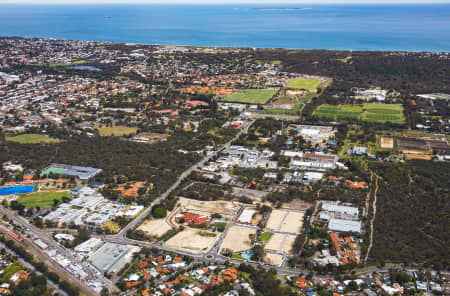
(387, 27)
(242, 47)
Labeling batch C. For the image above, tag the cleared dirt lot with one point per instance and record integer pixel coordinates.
(256, 219)
(206, 207)
(275, 242)
(275, 219)
(156, 227)
(250, 193)
(190, 240)
(274, 259)
(288, 243)
(281, 243)
(297, 204)
(285, 221)
(237, 239)
(387, 142)
(293, 222)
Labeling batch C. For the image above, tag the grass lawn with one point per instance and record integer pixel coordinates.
(9, 271)
(117, 131)
(33, 139)
(273, 62)
(264, 237)
(337, 112)
(220, 226)
(307, 84)
(237, 256)
(42, 199)
(251, 96)
(207, 234)
(61, 65)
(371, 146)
(113, 227)
(382, 113)
(370, 112)
(120, 77)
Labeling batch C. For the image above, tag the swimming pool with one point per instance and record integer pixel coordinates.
(247, 255)
(16, 189)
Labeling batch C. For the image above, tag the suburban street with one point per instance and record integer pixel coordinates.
(47, 239)
(183, 176)
(120, 238)
(211, 255)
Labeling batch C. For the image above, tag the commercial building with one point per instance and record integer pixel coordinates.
(112, 257)
(82, 173)
(340, 225)
(246, 216)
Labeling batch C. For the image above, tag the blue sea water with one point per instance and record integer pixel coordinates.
(355, 27)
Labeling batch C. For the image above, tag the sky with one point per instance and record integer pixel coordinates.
(261, 2)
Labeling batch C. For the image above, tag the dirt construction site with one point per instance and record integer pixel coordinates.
(192, 240)
(274, 259)
(155, 227)
(281, 243)
(225, 208)
(285, 221)
(237, 239)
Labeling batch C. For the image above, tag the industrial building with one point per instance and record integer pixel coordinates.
(82, 173)
(340, 225)
(112, 257)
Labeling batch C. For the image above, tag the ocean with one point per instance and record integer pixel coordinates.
(334, 27)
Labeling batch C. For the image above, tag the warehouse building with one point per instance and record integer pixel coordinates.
(340, 225)
(82, 173)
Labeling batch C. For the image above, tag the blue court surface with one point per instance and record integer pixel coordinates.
(16, 189)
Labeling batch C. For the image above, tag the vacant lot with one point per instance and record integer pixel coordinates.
(192, 240)
(275, 242)
(292, 223)
(275, 219)
(281, 243)
(117, 131)
(387, 142)
(251, 96)
(33, 139)
(297, 204)
(207, 207)
(308, 84)
(370, 112)
(42, 199)
(274, 259)
(156, 227)
(238, 239)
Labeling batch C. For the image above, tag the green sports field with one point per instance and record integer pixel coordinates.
(337, 112)
(378, 113)
(52, 65)
(262, 62)
(251, 96)
(33, 139)
(307, 84)
(42, 199)
(382, 113)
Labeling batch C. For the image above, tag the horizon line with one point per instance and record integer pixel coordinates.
(232, 2)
